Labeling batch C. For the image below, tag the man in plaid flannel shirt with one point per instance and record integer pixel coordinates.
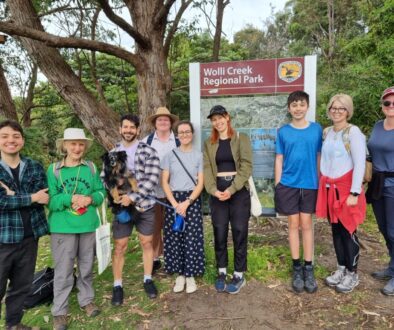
(143, 161)
(23, 192)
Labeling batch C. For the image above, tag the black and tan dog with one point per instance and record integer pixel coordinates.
(117, 178)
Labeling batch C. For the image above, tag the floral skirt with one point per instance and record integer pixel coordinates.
(184, 252)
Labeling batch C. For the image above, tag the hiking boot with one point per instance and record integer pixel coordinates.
(117, 296)
(235, 285)
(310, 284)
(298, 279)
(21, 326)
(382, 275)
(348, 283)
(336, 277)
(190, 285)
(388, 289)
(60, 322)
(91, 310)
(180, 282)
(220, 283)
(150, 289)
(156, 266)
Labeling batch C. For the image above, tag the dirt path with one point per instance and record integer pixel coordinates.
(275, 306)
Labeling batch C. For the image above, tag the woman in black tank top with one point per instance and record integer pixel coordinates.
(227, 167)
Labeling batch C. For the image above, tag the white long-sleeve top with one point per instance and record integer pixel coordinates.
(336, 160)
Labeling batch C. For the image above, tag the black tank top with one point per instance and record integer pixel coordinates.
(224, 157)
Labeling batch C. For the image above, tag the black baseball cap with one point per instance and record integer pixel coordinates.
(217, 110)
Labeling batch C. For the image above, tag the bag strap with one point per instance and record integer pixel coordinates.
(89, 163)
(103, 216)
(150, 138)
(184, 167)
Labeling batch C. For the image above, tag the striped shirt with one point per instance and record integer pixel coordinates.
(147, 172)
(32, 178)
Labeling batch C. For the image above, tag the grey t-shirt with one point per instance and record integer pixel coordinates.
(381, 149)
(179, 180)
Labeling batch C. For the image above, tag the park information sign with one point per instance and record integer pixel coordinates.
(255, 94)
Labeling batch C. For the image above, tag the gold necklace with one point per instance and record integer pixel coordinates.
(76, 181)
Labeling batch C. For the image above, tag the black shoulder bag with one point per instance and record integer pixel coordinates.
(184, 167)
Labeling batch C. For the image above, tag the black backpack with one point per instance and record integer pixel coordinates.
(42, 289)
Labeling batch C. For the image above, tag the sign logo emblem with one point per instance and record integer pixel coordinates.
(290, 71)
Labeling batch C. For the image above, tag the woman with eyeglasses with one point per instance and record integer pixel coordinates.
(381, 189)
(182, 182)
(341, 198)
(227, 167)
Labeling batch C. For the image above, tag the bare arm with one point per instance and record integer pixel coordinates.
(278, 168)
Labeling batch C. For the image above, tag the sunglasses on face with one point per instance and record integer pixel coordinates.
(339, 110)
(388, 103)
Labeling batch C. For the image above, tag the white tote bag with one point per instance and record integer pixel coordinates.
(103, 241)
(255, 205)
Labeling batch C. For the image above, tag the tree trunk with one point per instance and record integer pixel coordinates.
(154, 80)
(28, 102)
(220, 5)
(7, 106)
(96, 117)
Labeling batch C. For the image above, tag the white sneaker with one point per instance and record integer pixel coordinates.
(179, 284)
(348, 283)
(190, 285)
(336, 277)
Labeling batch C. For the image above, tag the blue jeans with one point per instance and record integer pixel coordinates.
(384, 213)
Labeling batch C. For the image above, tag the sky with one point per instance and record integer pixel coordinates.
(239, 13)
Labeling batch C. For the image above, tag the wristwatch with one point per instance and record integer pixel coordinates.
(354, 194)
(191, 200)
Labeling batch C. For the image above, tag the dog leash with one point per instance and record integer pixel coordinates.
(177, 217)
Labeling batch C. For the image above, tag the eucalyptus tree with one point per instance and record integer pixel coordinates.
(151, 26)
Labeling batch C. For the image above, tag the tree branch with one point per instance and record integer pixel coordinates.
(174, 26)
(143, 42)
(162, 14)
(64, 42)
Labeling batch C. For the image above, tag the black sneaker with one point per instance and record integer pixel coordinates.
(150, 289)
(310, 284)
(156, 265)
(117, 296)
(235, 285)
(298, 279)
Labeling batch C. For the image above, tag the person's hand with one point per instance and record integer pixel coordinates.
(40, 197)
(9, 192)
(182, 208)
(218, 194)
(226, 195)
(125, 200)
(351, 200)
(80, 201)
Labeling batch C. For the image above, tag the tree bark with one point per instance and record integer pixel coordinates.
(28, 102)
(220, 5)
(154, 81)
(7, 106)
(97, 118)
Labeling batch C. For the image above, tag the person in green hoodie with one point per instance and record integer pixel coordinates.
(75, 191)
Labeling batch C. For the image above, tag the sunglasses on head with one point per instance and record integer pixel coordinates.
(388, 103)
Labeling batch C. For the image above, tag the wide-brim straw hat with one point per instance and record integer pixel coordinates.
(162, 111)
(73, 134)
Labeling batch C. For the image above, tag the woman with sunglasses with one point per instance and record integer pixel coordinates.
(182, 182)
(227, 167)
(341, 197)
(381, 189)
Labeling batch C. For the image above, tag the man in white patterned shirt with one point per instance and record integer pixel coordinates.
(144, 162)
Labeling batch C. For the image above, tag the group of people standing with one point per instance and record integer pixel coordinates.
(315, 170)
(323, 172)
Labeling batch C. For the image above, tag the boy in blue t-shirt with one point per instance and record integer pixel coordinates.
(298, 147)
